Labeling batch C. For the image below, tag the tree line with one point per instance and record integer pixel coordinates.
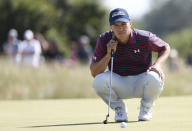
(171, 20)
(62, 20)
(66, 20)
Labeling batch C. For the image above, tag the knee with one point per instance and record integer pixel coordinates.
(100, 82)
(154, 80)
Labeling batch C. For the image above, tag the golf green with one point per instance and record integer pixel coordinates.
(169, 114)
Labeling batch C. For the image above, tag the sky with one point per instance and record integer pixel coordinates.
(136, 8)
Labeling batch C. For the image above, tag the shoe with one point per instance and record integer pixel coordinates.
(120, 115)
(145, 113)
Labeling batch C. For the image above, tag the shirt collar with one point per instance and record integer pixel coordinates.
(132, 37)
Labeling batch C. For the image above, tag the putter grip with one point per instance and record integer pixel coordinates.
(112, 53)
(114, 38)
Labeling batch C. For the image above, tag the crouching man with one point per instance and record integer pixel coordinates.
(134, 74)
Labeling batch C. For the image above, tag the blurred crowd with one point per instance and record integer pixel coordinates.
(174, 62)
(35, 49)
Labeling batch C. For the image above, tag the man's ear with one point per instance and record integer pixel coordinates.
(130, 22)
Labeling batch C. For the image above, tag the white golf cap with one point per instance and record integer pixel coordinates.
(28, 35)
(13, 33)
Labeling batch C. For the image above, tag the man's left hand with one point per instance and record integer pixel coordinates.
(157, 68)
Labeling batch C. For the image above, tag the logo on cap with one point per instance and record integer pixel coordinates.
(118, 13)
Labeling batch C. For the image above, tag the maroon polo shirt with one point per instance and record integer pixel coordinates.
(132, 58)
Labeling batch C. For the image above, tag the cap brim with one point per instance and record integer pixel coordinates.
(120, 20)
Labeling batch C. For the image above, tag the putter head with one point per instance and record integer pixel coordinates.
(105, 122)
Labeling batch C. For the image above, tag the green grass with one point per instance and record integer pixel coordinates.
(178, 82)
(170, 114)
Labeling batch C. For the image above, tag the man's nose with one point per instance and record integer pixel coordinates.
(120, 28)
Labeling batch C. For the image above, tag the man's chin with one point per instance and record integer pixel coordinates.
(121, 37)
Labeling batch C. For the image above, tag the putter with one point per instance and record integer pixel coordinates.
(110, 86)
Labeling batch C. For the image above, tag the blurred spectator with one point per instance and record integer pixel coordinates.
(84, 51)
(53, 52)
(189, 58)
(50, 49)
(44, 43)
(74, 51)
(30, 50)
(74, 55)
(173, 60)
(10, 47)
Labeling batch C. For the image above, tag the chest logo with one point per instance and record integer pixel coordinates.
(136, 51)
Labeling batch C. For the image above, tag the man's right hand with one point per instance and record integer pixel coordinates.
(99, 67)
(112, 44)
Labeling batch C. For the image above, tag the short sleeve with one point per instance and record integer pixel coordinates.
(156, 44)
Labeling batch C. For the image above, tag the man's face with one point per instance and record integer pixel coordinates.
(121, 30)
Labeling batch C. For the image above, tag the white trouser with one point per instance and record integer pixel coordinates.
(147, 86)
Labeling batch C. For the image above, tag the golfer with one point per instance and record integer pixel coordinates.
(134, 75)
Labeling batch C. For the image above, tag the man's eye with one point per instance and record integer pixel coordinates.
(124, 23)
